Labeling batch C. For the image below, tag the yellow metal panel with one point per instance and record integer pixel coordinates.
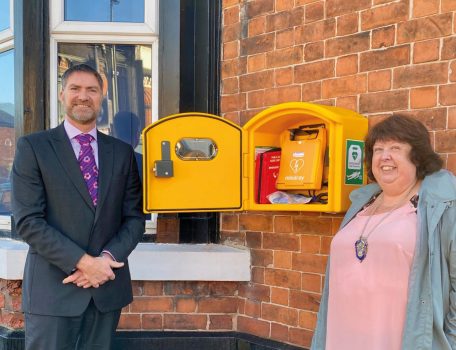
(196, 185)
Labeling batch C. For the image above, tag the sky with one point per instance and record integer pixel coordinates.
(122, 10)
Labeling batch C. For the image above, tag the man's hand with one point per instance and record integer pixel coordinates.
(93, 272)
(78, 278)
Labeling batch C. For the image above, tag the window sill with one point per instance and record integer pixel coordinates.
(156, 262)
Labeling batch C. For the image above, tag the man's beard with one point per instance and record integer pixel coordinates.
(83, 118)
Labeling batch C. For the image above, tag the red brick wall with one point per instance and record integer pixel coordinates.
(374, 59)
(205, 306)
(10, 304)
(288, 259)
(371, 56)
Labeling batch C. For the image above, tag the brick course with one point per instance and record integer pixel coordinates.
(182, 306)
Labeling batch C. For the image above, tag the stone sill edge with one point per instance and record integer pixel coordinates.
(156, 262)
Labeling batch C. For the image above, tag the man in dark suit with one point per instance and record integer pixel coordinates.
(77, 203)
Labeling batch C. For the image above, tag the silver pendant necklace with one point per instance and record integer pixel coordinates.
(361, 245)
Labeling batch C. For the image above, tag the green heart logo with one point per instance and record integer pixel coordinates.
(355, 154)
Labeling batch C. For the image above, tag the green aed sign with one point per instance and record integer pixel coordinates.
(354, 166)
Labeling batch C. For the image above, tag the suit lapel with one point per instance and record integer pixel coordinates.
(105, 165)
(65, 154)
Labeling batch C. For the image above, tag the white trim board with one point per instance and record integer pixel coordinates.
(156, 262)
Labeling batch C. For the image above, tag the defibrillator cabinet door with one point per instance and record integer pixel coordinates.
(192, 162)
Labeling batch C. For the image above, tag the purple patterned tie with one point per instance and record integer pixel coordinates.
(87, 165)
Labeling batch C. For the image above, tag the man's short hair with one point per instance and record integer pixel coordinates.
(81, 68)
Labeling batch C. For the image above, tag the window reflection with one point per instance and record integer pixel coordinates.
(126, 71)
(4, 14)
(196, 149)
(126, 126)
(105, 10)
(7, 136)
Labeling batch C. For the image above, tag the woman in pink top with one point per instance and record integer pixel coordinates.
(380, 280)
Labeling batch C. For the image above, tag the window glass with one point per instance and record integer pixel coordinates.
(105, 10)
(126, 71)
(196, 149)
(7, 135)
(4, 14)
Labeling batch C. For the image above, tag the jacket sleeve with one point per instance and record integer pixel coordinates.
(319, 337)
(29, 209)
(133, 219)
(448, 228)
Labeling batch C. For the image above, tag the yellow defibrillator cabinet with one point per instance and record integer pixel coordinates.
(201, 162)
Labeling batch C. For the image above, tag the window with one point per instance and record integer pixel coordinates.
(4, 15)
(127, 74)
(7, 138)
(6, 24)
(119, 39)
(126, 56)
(105, 10)
(121, 17)
(7, 107)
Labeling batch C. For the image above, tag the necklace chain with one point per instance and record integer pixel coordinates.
(361, 244)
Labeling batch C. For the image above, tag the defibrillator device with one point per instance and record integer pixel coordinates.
(302, 159)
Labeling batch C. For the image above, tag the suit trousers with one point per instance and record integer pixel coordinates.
(89, 331)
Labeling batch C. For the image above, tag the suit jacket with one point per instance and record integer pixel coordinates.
(54, 214)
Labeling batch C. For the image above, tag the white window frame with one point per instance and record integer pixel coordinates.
(105, 33)
(97, 39)
(59, 25)
(7, 35)
(62, 31)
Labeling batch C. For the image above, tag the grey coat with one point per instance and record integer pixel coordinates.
(431, 307)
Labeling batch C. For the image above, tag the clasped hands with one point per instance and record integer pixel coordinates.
(93, 271)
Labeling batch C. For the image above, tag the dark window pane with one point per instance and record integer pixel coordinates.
(7, 136)
(4, 14)
(105, 10)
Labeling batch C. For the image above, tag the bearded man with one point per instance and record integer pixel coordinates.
(77, 203)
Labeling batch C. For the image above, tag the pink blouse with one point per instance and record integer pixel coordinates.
(367, 300)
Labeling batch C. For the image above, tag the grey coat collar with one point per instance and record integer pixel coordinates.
(437, 187)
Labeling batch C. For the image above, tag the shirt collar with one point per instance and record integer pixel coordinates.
(73, 131)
